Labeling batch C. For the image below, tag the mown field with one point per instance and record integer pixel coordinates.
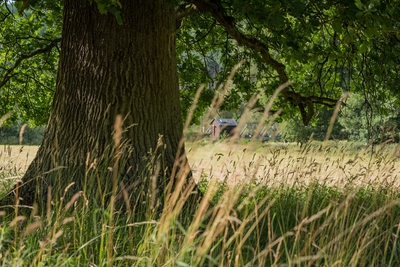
(264, 204)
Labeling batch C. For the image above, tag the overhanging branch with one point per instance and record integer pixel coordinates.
(304, 103)
(9, 73)
(183, 11)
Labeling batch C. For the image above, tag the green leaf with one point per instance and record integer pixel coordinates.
(359, 14)
(370, 32)
(359, 4)
(348, 38)
(117, 14)
(364, 47)
(277, 20)
(337, 26)
(102, 8)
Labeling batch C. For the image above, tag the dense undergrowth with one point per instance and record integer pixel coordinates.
(249, 224)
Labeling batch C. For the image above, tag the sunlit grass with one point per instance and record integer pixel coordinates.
(273, 164)
(286, 211)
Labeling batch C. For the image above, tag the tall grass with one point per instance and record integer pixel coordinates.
(272, 217)
(246, 224)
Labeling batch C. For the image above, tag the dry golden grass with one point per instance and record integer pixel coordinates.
(314, 225)
(270, 163)
(17, 158)
(331, 163)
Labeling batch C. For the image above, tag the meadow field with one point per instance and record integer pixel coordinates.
(274, 163)
(264, 204)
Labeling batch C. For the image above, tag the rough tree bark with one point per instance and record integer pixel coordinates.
(106, 69)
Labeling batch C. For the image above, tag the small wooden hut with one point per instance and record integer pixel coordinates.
(220, 126)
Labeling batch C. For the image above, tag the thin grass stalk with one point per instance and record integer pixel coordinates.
(4, 118)
(200, 215)
(395, 244)
(252, 216)
(281, 239)
(362, 245)
(179, 158)
(192, 108)
(335, 114)
(117, 143)
(217, 223)
(220, 93)
(16, 210)
(54, 232)
(243, 119)
(267, 109)
(21, 133)
(356, 227)
(175, 201)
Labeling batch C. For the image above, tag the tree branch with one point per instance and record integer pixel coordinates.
(215, 8)
(9, 73)
(206, 34)
(4, 17)
(183, 11)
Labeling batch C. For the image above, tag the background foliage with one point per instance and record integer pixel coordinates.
(326, 47)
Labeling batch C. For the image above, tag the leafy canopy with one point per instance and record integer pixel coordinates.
(324, 48)
(29, 43)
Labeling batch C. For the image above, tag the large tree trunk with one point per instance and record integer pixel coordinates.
(107, 69)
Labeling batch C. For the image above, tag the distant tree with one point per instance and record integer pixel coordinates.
(295, 130)
(365, 121)
(17, 133)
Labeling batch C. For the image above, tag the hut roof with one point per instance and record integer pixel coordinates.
(225, 122)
